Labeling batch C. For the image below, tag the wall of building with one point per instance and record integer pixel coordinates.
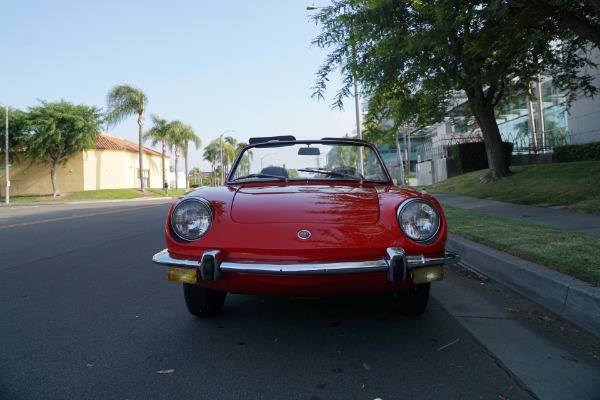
(109, 169)
(153, 164)
(584, 114)
(26, 178)
(180, 180)
(115, 169)
(91, 170)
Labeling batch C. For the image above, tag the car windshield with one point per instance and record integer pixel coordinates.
(309, 160)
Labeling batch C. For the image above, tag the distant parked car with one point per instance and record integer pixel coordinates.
(306, 218)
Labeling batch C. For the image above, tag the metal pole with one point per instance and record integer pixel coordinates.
(7, 197)
(356, 98)
(400, 161)
(541, 113)
(222, 166)
(354, 78)
(357, 108)
(532, 121)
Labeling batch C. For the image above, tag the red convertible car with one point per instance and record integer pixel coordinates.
(306, 218)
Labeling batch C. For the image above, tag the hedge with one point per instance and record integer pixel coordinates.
(472, 156)
(577, 152)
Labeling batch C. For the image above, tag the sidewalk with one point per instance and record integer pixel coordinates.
(548, 216)
(570, 298)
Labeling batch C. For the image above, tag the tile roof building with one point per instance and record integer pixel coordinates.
(113, 163)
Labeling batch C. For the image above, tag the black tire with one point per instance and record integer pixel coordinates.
(203, 302)
(411, 301)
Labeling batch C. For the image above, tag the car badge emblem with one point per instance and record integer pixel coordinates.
(304, 234)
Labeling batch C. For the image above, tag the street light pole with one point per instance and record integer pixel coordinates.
(262, 158)
(7, 197)
(356, 95)
(356, 102)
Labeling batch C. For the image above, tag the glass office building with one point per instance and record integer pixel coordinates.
(516, 115)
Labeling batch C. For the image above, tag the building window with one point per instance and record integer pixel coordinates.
(145, 177)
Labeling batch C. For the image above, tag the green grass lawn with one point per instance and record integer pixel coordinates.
(573, 185)
(572, 253)
(91, 195)
(576, 186)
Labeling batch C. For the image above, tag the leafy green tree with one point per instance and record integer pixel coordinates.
(124, 101)
(17, 127)
(582, 17)
(421, 54)
(159, 133)
(57, 131)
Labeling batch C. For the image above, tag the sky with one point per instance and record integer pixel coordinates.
(219, 66)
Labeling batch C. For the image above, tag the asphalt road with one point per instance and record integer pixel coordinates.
(85, 314)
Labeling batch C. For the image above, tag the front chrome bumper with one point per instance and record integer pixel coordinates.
(397, 264)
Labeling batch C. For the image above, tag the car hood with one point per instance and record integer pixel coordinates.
(306, 204)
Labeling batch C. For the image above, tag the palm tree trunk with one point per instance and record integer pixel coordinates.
(141, 149)
(164, 172)
(187, 183)
(176, 172)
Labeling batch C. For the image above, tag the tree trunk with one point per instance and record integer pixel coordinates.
(53, 168)
(576, 24)
(187, 174)
(176, 171)
(483, 110)
(141, 149)
(164, 172)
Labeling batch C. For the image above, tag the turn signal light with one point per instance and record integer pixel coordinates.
(428, 274)
(183, 275)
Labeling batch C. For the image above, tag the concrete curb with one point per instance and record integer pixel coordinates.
(570, 298)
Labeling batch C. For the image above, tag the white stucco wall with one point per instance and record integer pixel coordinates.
(584, 114)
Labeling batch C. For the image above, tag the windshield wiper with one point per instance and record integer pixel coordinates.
(259, 175)
(330, 172)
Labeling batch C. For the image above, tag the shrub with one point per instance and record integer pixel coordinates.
(577, 152)
(472, 156)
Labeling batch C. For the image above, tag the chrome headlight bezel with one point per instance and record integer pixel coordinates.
(191, 218)
(419, 220)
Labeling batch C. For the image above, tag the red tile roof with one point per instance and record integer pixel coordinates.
(107, 142)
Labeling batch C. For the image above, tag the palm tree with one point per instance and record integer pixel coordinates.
(159, 133)
(187, 136)
(123, 101)
(244, 166)
(180, 135)
(211, 154)
(175, 128)
(197, 175)
(228, 147)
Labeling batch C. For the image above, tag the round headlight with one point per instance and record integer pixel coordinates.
(419, 220)
(191, 219)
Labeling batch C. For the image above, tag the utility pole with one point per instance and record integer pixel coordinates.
(7, 174)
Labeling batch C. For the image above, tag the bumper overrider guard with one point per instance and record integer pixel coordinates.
(397, 264)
